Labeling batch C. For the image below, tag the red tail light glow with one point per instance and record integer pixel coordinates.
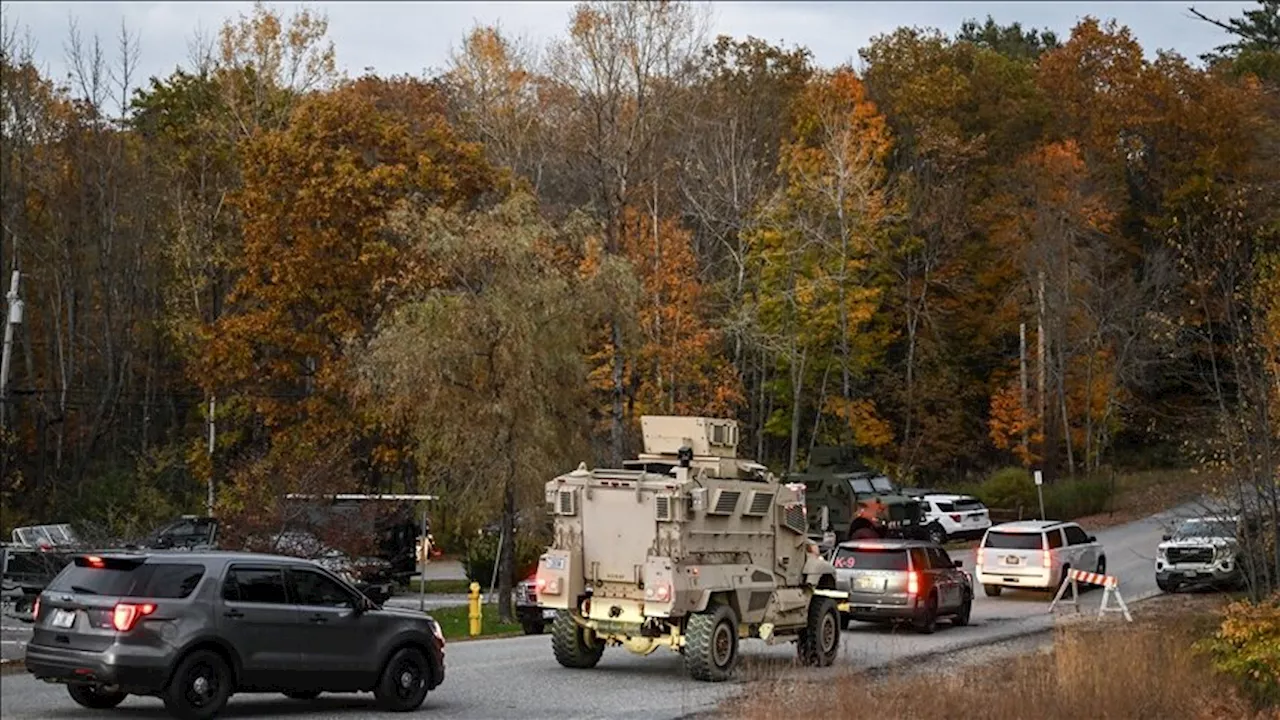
(126, 615)
(913, 583)
(35, 610)
(94, 561)
(1048, 562)
(955, 518)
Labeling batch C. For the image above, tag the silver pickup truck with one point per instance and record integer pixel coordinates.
(1201, 551)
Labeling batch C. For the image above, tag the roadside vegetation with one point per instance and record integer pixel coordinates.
(1152, 668)
(983, 246)
(455, 622)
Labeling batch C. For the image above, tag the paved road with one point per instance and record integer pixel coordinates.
(516, 677)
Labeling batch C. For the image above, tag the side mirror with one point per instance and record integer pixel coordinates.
(959, 563)
(1093, 538)
(1166, 537)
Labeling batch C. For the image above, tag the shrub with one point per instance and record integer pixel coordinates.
(1009, 488)
(482, 555)
(1066, 499)
(1247, 647)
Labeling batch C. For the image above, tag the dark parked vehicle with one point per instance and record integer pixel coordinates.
(195, 627)
(894, 580)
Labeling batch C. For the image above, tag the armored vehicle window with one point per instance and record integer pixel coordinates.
(255, 585)
(882, 484)
(862, 486)
(870, 559)
(1014, 541)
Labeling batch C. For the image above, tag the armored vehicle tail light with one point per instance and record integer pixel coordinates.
(659, 593)
(549, 588)
(913, 583)
(125, 615)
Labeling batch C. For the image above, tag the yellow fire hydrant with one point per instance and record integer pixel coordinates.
(473, 599)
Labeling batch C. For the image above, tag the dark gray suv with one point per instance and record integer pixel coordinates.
(194, 627)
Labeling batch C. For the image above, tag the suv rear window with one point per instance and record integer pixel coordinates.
(1014, 541)
(870, 559)
(968, 504)
(129, 578)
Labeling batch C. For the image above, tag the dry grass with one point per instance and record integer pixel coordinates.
(1094, 670)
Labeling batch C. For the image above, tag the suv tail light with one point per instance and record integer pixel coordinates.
(913, 583)
(955, 517)
(1048, 560)
(126, 615)
(35, 610)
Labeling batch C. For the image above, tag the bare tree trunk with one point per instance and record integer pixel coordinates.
(797, 392)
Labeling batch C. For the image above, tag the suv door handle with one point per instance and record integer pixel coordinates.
(318, 618)
(234, 614)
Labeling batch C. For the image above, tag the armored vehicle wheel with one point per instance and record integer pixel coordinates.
(572, 646)
(820, 639)
(711, 644)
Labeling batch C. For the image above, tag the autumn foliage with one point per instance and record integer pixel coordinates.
(987, 247)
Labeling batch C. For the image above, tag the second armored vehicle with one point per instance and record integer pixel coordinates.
(688, 548)
(860, 503)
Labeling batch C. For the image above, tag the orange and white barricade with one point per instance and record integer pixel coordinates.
(1110, 585)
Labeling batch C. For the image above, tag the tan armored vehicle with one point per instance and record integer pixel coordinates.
(688, 548)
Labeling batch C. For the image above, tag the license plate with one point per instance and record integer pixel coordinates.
(555, 562)
(548, 614)
(868, 583)
(1012, 560)
(62, 619)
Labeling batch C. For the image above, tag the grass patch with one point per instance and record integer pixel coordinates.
(455, 623)
(1094, 670)
(443, 587)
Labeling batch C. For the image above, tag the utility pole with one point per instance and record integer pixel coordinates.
(1022, 364)
(213, 429)
(12, 318)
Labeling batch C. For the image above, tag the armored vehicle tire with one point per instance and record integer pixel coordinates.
(94, 697)
(927, 621)
(711, 644)
(570, 644)
(820, 640)
(991, 590)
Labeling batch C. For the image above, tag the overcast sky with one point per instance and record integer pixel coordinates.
(413, 37)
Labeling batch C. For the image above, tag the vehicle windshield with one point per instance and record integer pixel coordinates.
(870, 559)
(1014, 541)
(871, 486)
(34, 536)
(883, 484)
(1206, 528)
(63, 534)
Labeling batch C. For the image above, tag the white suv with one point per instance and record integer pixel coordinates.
(1035, 554)
(954, 517)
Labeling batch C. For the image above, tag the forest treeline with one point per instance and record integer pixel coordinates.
(981, 247)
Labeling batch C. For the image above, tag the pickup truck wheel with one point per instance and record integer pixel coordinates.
(820, 640)
(1166, 585)
(94, 697)
(711, 644)
(200, 687)
(571, 645)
